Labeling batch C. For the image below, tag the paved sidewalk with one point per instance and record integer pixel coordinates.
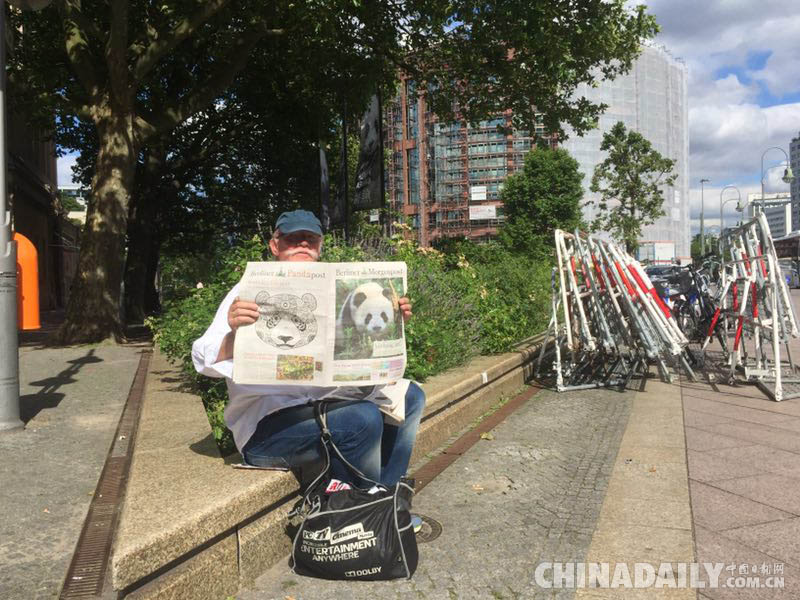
(744, 475)
(682, 473)
(670, 473)
(71, 400)
(532, 493)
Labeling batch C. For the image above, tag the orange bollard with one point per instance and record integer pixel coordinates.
(27, 284)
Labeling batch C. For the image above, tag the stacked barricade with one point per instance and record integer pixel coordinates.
(607, 321)
(753, 306)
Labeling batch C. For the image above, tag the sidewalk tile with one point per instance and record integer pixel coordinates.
(740, 413)
(778, 491)
(704, 466)
(648, 512)
(760, 434)
(715, 547)
(702, 440)
(718, 509)
(652, 454)
(768, 459)
(666, 434)
(635, 594)
(788, 423)
(694, 418)
(780, 539)
(749, 396)
(666, 400)
(613, 541)
(646, 482)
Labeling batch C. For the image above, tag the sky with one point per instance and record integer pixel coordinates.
(65, 168)
(743, 58)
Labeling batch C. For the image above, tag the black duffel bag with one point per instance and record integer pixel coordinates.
(352, 533)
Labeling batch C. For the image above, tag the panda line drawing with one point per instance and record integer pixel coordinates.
(285, 320)
(369, 308)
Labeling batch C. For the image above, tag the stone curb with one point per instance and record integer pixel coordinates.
(646, 514)
(194, 527)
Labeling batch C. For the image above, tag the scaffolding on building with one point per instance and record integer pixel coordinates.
(458, 168)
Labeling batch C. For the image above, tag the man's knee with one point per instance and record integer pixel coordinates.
(361, 420)
(415, 400)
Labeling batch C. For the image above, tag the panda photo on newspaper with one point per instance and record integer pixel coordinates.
(367, 312)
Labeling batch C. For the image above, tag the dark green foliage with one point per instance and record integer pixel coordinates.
(466, 301)
(711, 247)
(130, 79)
(629, 181)
(545, 195)
(69, 203)
(187, 317)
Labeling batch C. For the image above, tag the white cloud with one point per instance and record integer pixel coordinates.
(64, 168)
(727, 141)
(781, 74)
(713, 196)
(728, 130)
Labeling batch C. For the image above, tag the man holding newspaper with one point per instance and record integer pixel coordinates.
(273, 424)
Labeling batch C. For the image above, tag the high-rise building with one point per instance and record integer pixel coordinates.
(447, 176)
(777, 209)
(794, 161)
(652, 100)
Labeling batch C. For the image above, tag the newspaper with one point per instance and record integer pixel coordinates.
(324, 324)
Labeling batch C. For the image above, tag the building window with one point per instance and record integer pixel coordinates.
(413, 176)
(412, 117)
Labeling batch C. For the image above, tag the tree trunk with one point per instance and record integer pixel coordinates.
(142, 253)
(93, 311)
(152, 301)
(144, 235)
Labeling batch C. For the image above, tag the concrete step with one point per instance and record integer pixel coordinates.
(194, 527)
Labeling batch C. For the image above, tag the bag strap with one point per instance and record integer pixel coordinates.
(321, 415)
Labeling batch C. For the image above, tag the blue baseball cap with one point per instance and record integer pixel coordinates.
(298, 220)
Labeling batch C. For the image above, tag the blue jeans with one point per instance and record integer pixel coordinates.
(290, 438)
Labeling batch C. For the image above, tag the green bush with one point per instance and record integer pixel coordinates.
(467, 299)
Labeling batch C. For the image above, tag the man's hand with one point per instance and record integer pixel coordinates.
(404, 304)
(242, 313)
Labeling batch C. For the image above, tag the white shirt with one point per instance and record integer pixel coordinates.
(248, 404)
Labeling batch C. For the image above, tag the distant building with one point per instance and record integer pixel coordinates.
(656, 252)
(778, 210)
(32, 183)
(79, 194)
(447, 176)
(794, 161)
(652, 100)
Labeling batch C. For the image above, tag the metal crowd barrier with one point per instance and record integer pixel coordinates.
(607, 321)
(754, 306)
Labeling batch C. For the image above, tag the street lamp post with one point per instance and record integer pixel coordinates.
(788, 177)
(9, 344)
(721, 204)
(702, 214)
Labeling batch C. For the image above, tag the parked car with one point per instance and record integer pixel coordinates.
(790, 273)
(661, 271)
(792, 277)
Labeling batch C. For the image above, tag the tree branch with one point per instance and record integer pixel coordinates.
(116, 51)
(87, 25)
(77, 46)
(227, 67)
(159, 47)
